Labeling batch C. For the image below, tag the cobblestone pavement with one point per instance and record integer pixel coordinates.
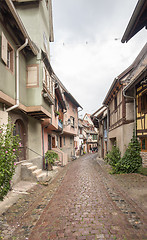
(82, 202)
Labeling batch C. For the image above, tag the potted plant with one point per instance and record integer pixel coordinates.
(57, 113)
(50, 158)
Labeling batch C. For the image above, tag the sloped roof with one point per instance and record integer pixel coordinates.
(137, 21)
(10, 17)
(127, 74)
(72, 99)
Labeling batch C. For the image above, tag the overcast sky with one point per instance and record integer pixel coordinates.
(87, 53)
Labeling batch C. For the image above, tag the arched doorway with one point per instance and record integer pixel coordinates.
(20, 130)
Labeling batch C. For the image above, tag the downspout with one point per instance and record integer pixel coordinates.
(17, 76)
(43, 151)
(127, 96)
(107, 125)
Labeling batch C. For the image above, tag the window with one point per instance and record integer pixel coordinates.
(32, 76)
(94, 137)
(48, 82)
(7, 53)
(72, 121)
(60, 142)
(142, 103)
(70, 140)
(115, 102)
(55, 104)
(144, 144)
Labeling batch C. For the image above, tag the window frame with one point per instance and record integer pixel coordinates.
(72, 121)
(142, 149)
(115, 102)
(7, 50)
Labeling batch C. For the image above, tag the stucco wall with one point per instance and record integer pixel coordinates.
(7, 78)
(123, 135)
(130, 111)
(36, 21)
(34, 137)
(71, 111)
(3, 117)
(69, 146)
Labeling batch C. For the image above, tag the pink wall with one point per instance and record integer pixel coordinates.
(74, 113)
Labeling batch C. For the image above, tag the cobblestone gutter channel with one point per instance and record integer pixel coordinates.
(30, 207)
(136, 217)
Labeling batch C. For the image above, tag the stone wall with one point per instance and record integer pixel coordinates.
(144, 158)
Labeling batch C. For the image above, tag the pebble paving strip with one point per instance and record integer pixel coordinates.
(90, 208)
(137, 219)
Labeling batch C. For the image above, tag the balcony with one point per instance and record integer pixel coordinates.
(48, 95)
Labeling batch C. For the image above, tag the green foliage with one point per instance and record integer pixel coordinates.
(113, 156)
(51, 157)
(9, 149)
(142, 170)
(131, 161)
(57, 112)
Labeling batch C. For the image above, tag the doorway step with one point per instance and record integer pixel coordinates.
(63, 158)
(30, 172)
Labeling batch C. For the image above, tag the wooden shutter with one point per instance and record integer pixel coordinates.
(4, 49)
(32, 76)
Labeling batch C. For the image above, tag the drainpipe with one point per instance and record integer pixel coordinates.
(107, 125)
(17, 76)
(43, 151)
(127, 96)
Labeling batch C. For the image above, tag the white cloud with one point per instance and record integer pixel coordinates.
(86, 57)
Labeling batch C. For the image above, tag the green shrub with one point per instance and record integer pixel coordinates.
(113, 156)
(131, 161)
(51, 157)
(9, 149)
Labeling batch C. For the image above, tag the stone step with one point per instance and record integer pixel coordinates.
(43, 177)
(37, 171)
(27, 164)
(32, 168)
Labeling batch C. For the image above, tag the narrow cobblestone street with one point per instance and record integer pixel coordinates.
(82, 202)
